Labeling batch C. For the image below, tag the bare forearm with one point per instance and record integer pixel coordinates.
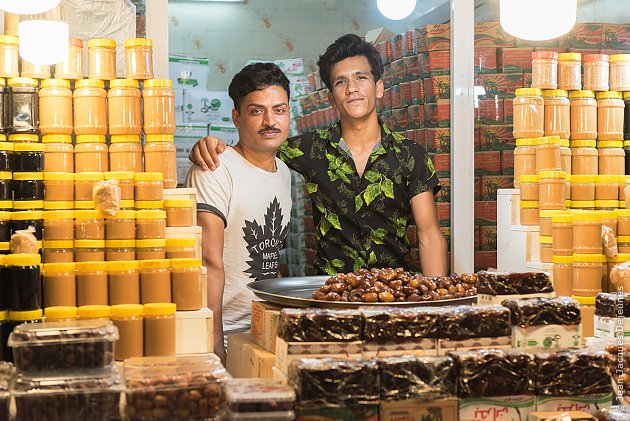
(433, 254)
(216, 283)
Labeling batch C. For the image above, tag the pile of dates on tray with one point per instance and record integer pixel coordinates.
(388, 285)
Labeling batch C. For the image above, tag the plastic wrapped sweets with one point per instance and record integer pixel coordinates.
(318, 325)
(410, 377)
(572, 373)
(252, 396)
(544, 311)
(465, 322)
(495, 283)
(612, 305)
(7, 371)
(399, 325)
(487, 373)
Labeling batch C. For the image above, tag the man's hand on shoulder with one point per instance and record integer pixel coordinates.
(205, 153)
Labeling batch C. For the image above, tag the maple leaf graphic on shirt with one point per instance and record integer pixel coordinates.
(264, 242)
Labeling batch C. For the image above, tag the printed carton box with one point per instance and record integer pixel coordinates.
(476, 238)
(358, 413)
(446, 232)
(415, 116)
(423, 65)
(444, 195)
(496, 138)
(488, 163)
(506, 408)
(444, 113)
(527, 80)
(515, 60)
(396, 42)
(444, 214)
(419, 410)
(485, 260)
(486, 60)
(430, 114)
(551, 43)
(488, 238)
(508, 110)
(421, 137)
(286, 352)
(437, 87)
(616, 37)
(265, 324)
(491, 34)
(411, 67)
(446, 345)
(547, 337)
(397, 68)
(584, 35)
(584, 51)
(556, 49)
(590, 404)
(408, 47)
(502, 84)
(438, 37)
(490, 111)
(486, 213)
(396, 96)
(249, 359)
(490, 185)
(442, 164)
(385, 50)
(478, 188)
(421, 347)
(610, 327)
(416, 88)
(439, 140)
(476, 140)
(400, 119)
(387, 75)
(387, 99)
(439, 63)
(507, 163)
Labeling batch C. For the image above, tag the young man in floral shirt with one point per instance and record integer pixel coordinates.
(367, 183)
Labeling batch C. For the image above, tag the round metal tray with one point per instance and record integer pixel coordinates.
(296, 292)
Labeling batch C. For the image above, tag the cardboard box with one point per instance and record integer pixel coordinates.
(508, 111)
(439, 63)
(496, 137)
(486, 213)
(584, 35)
(289, 351)
(421, 137)
(437, 87)
(616, 37)
(527, 80)
(554, 415)
(246, 359)
(430, 115)
(551, 43)
(507, 163)
(438, 37)
(486, 60)
(265, 324)
(487, 299)
(515, 60)
(485, 260)
(547, 338)
(503, 408)
(444, 214)
(590, 404)
(407, 43)
(611, 327)
(423, 65)
(502, 84)
(490, 111)
(491, 34)
(488, 238)
(444, 113)
(488, 163)
(417, 410)
(417, 91)
(398, 71)
(422, 347)
(387, 75)
(446, 345)
(361, 413)
(400, 119)
(444, 195)
(385, 50)
(490, 184)
(415, 116)
(439, 140)
(396, 96)
(396, 42)
(446, 232)
(442, 164)
(477, 188)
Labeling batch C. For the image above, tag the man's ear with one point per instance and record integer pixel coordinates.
(380, 88)
(235, 117)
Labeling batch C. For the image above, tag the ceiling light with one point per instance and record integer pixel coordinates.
(28, 7)
(537, 20)
(396, 9)
(43, 41)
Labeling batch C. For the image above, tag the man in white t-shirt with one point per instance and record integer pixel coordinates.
(244, 207)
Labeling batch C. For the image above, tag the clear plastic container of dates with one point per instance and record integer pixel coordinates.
(260, 399)
(183, 387)
(7, 371)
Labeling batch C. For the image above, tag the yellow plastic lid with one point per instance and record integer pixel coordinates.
(90, 138)
(89, 244)
(101, 42)
(548, 140)
(180, 242)
(58, 244)
(620, 258)
(5, 146)
(29, 147)
(159, 138)
(546, 239)
(562, 217)
(123, 265)
(187, 203)
(9, 39)
(88, 176)
(58, 176)
(581, 94)
(62, 205)
(528, 204)
(623, 238)
(584, 301)
(149, 204)
(619, 57)
(570, 56)
(551, 174)
(601, 204)
(119, 175)
(127, 204)
(186, 263)
(56, 138)
(127, 310)
(160, 309)
(120, 244)
(4, 245)
(626, 95)
(94, 311)
(607, 179)
(609, 95)
(4, 314)
(91, 266)
(623, 213)
(622, 204)
(89, 83)
(5, 215)
(149, 176)
(125, 138)
(564, 143)
(6, 204)
(526, 142)
(158, 83)
(580, 178)
(22, 176)
(528, 92)
(123, 83)
(610, 144)
(550, 213)
(23, 138)
(22, 316)
(608, 215)
(587, 216)
(6, 175)
(61, 312)
(151, 243)
(567, 204)
(155, 264)
(22, 259)
(84, 204)
(554, 93)
(151, 214)
(524, 179)
(589, 258)
(88, 214)
(562, 260)
(583, 143)
(22, 81)
(28, 204)
(122, 214)
(26, 215)
(55, 83)
(135, 42)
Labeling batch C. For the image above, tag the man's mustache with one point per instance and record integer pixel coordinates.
(269, 129)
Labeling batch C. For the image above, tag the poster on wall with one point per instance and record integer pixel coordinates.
(195, 107)
(188, 72)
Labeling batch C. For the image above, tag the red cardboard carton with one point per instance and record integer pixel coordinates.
(491, 34)
(405, 93)
(444, 195)
(485, 260)
(421, 136)
(440, 88)
(385, 50)
(508, 111)
(439, 63)
(396, 41)
(584, 35)
(515, 60)
(412, 67)
(490, 185)
(476, 238)
(490, 111)
(486, 60)
(507, 163)
(439, 140)
(527, 80)
(551, 43)
(400, 119)
(502, 84)
(415, 116)
(496, 138)
(616, 37)
(444, 112)
(488, 238)
(444, 214)
(416, 88)
(430, 114)
(398, 71)
(396, 97)
(478, 188)
(423, 65)
(438, 37)
(442, 164)
(488, 163)
(486, 213)
(446, 232)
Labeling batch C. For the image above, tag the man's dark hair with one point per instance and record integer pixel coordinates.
(254, 77)
(346, 46)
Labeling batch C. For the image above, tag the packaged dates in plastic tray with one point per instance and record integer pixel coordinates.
(620, 367)
(572, 373)
(410, 377)
(544, 311)
(7, 371)
(612, 305)
(465, 322)
(498, 283)
(319, 325)
(399, 325)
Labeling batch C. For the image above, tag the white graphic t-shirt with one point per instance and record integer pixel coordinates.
(255, 206)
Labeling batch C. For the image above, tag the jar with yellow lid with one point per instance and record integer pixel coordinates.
(607, 187)
(159, 156)
(91, 154)
(117, 250)
(155, 281)
(84, 184)
(545, 69)
(58, 225)
(551, 185)
(149, 204)
(557, 115)
(9, 56)
(546, 251)
(28, 186)
(150, 224)
(624, 180)
(596, 72)
(159, 329)
(609, 219)
(24, 281)
(128, 319)
(60, 284)
(72, 67)
(5, 248)
(528, 111)
(610, 114)
(529, 212)
(125, 182)
(186, 283)
(59, 153)
(583, 187)
(587, 274)
(524, 159)
(123, 107)
(22, 219)
(583, 115)
(611, 157)
(562, 234)
(182, 248)
(102, 59)
(583, 204)
(84, 204)
(5, 227)
(584, 157)
(6, 205)
(6, 187)
(139, 58)
(89, 225)
(125, 153)
(127, 204)
(570, 71)
(58, 251)
(179, 213)
(58, 186)
(623, 222)
(587, 314)
(22, 110)
(563, 275)
(548, 157)
(34, 71)
(587, 232)
(620, 72)
(623, 243)
(89, 250)
(60, 313)
(528, 187)
(55, 105)
(6, 154)
(159, 106)
(92, 283)
(27, 205)
(151, 249)
(545, 221)
(123, 281)
(149, 186)
(121, 226)
(565, 156)
(94, 312)
(90, 111)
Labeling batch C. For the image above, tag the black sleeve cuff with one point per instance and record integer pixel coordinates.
(204, 207)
